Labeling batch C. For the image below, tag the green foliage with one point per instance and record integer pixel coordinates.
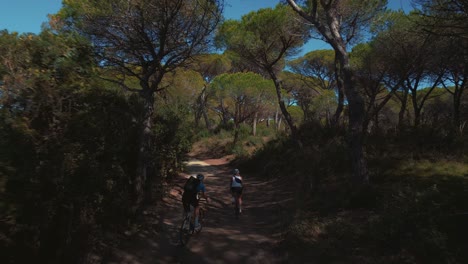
(68, 152)
(78, 164)
(238, 150)
(264, 131)
(412, 212)
(259, 37)
(172, 141)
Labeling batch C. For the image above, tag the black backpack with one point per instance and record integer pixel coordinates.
(191, 185)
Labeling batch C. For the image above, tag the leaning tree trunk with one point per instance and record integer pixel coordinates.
(284, 110)
(203, 105)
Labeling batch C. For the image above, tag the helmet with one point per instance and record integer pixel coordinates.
(236, 171)
(200, 177)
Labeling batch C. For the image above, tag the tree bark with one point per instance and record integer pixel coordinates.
(143, 163)
(339, 89)
(401, 114)
(254, 125)
(356, 124)
(284, 110)
(331, 32)
(203, 100)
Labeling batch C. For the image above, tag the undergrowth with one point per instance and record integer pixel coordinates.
(413, 211)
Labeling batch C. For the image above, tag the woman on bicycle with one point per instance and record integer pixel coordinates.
(236, 188)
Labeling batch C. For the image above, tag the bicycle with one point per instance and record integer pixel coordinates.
(187, 229)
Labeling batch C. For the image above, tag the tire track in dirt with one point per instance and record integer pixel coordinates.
(253, 238)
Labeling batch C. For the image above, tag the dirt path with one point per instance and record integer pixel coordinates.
(253, 238)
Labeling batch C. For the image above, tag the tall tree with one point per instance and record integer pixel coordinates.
(263, 39)
(209, 66)
(445, 17)
(448, 19)
(339, 23)
(375, 77)
(413, 56)
(143, 40)
(455, 81)
(242, 97)
(317, 69)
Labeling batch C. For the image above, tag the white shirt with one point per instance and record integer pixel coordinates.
(234, 183)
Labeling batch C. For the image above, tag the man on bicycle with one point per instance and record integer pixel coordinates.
(190, 197)
(236, 187)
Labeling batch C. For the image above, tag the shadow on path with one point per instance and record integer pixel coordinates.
(253, 238)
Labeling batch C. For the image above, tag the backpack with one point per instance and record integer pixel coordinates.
(191, 185)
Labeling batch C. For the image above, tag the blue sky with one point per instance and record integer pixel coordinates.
(28, 15)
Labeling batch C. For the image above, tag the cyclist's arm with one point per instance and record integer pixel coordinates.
(202, 193)
(207, 198)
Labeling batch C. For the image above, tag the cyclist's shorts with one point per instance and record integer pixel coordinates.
(236, 190)
(188, 200)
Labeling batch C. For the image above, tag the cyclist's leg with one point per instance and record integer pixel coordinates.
(186, 203)
(240, 199)
(236, 200)
(186, 213)
(186, 216)
(197, 214)
(196, 205)
(233, 194)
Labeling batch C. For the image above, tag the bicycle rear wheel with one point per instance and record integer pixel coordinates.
(201, 216)
(185, 231)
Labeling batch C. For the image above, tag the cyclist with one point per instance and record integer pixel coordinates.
(191, 198)
(236, 187)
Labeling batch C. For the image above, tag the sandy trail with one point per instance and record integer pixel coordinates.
(253, 238)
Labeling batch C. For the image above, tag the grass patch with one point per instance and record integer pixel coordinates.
(427, 168)
(416, 213)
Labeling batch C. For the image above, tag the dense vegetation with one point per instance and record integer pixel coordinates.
(99, 110)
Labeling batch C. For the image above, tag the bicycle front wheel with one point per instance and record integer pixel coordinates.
(185, 231)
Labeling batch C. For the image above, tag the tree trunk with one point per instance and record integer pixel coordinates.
(340, 92)
(224, 115)
(143, 162)
(456, 108)
(276, 120)
(236, 133)
(401, 114)
(254, 125)
(333, 36)
(416, 109)
(284, 110)
(203, 101)
(356, 122)
(278, 123)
